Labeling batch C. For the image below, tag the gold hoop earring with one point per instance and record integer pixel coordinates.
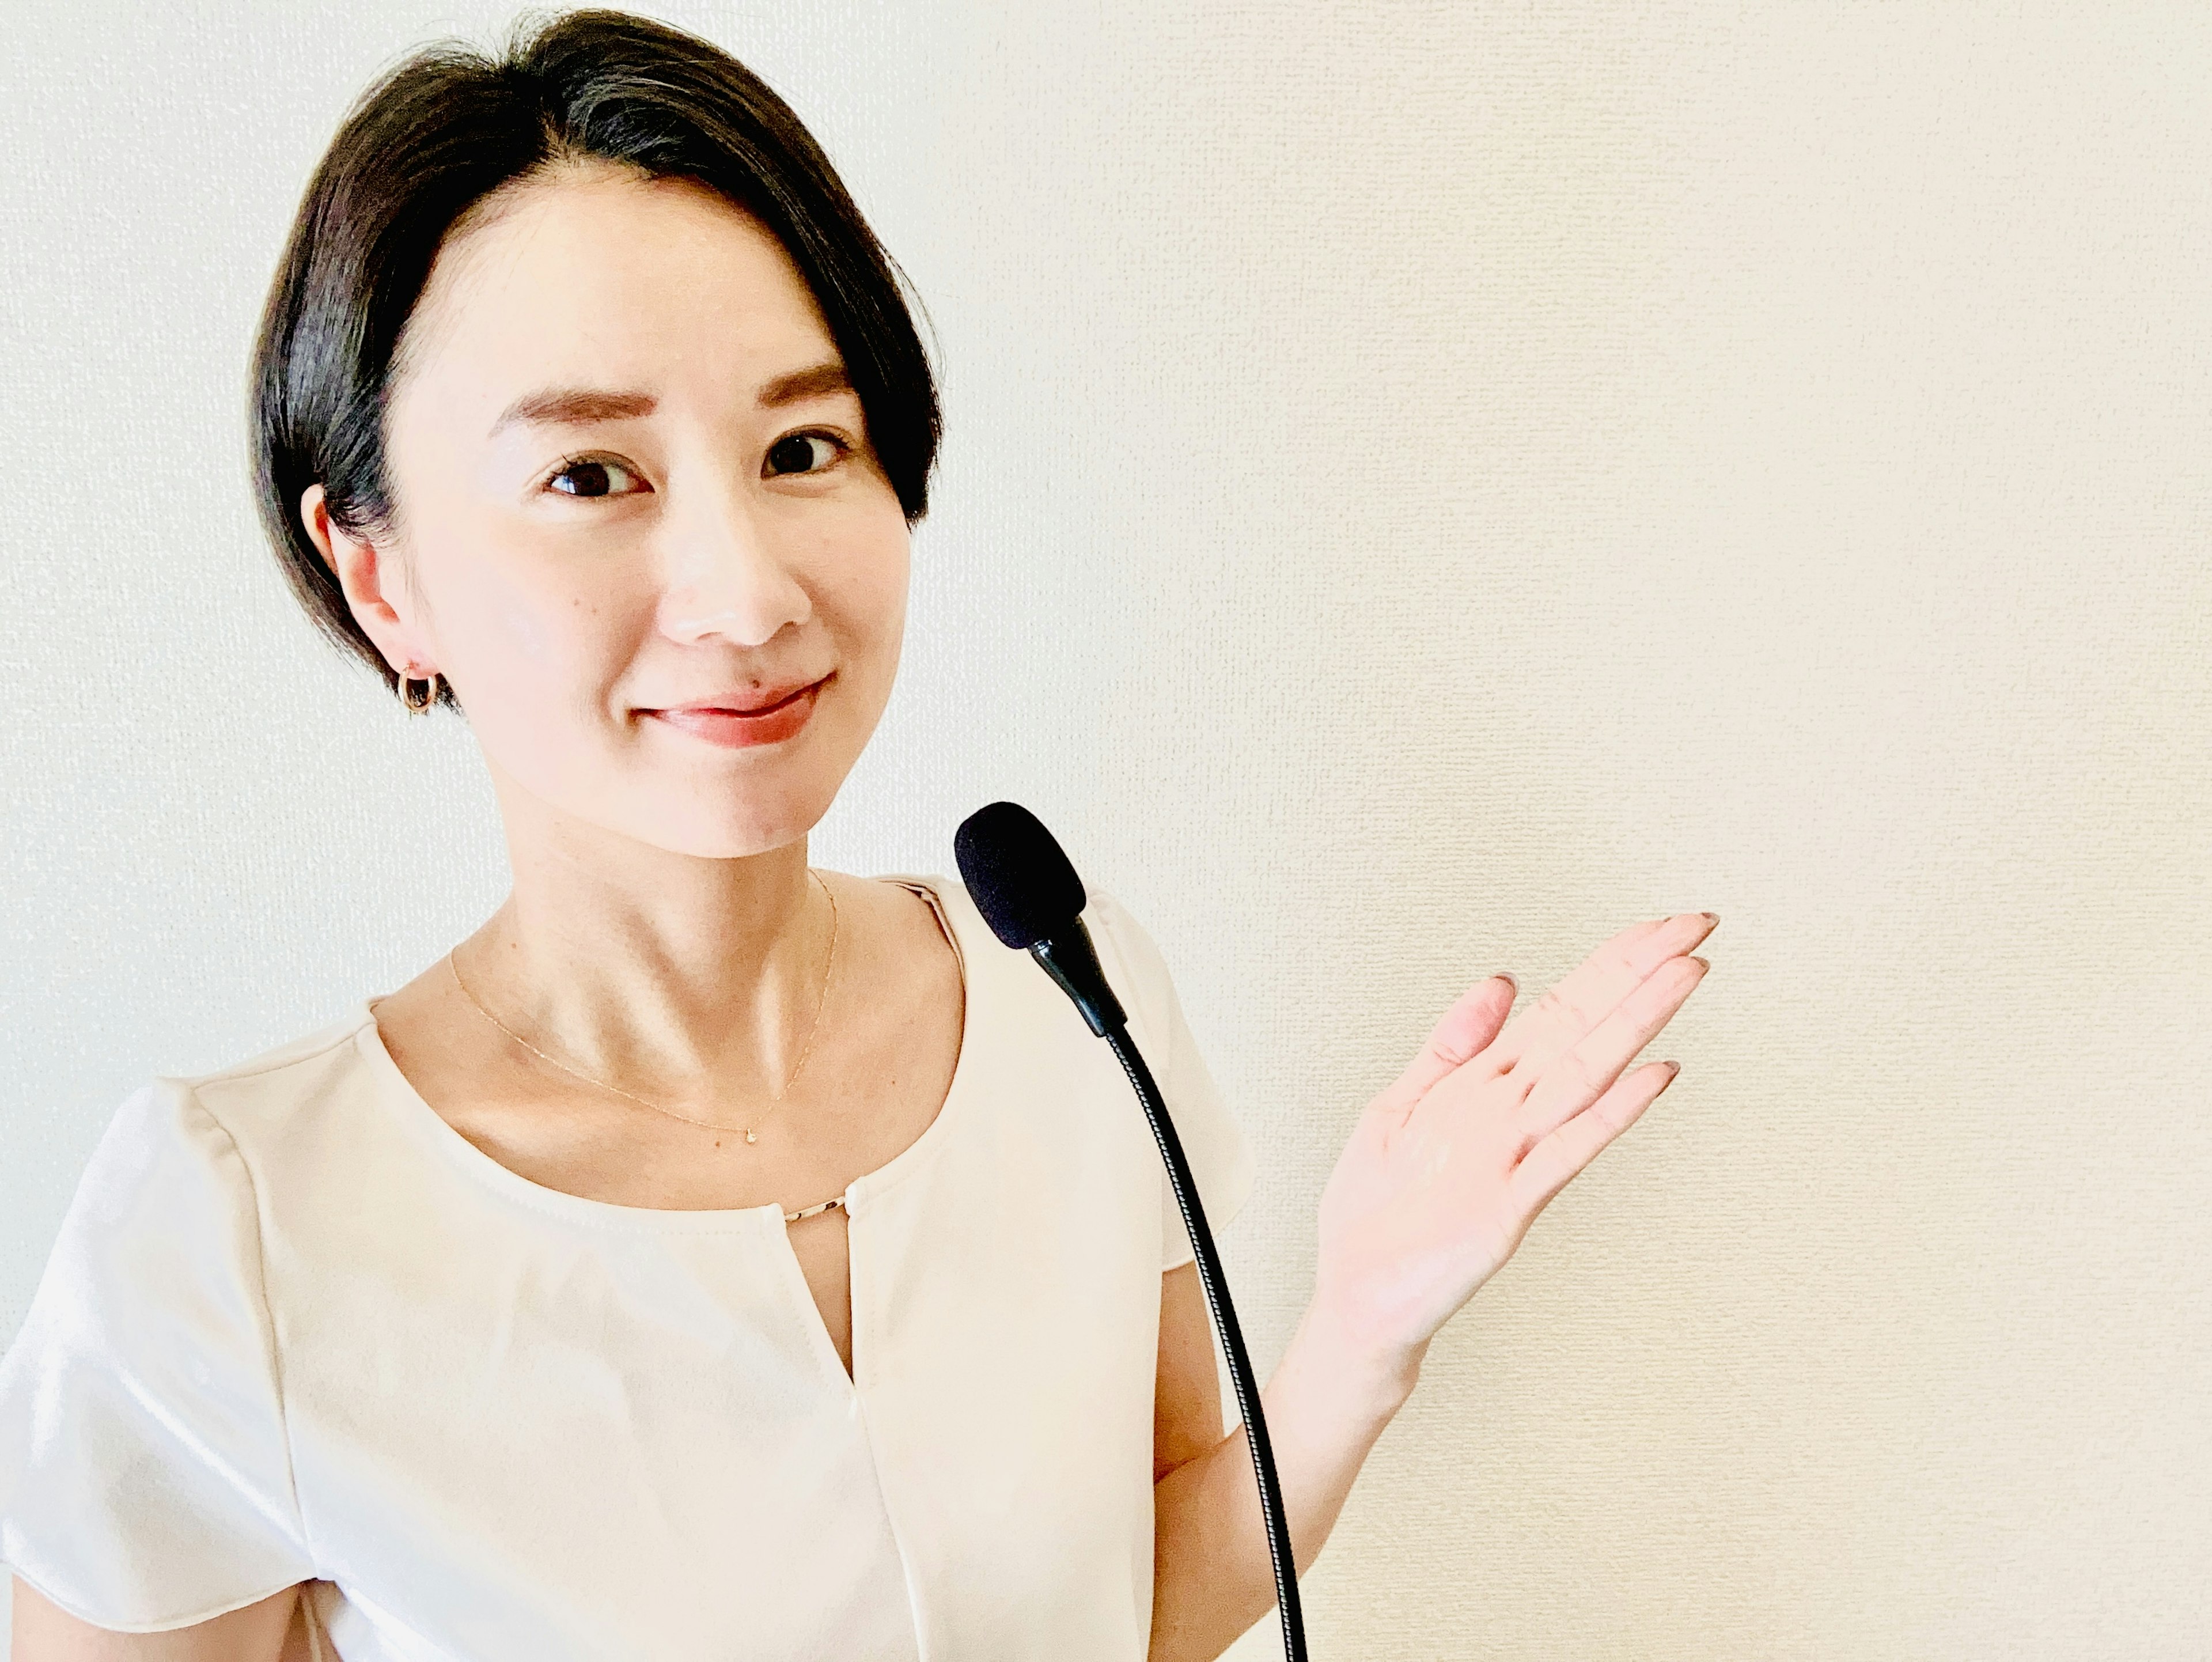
(429, 694)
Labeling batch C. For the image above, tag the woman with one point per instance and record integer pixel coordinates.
(710, 1257)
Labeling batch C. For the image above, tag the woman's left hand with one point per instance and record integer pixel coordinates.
(1449, 1164)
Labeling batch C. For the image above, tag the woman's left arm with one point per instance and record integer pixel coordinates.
(1444, 1174)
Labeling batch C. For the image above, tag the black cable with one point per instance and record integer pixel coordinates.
(1233, 1341)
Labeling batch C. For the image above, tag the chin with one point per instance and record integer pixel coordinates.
(694, 824)
(706, 806)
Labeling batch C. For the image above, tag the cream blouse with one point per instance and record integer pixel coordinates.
(297, 1329)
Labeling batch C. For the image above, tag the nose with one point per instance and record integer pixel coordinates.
(725, 578)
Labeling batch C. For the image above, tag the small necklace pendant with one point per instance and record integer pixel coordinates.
(752, 1136)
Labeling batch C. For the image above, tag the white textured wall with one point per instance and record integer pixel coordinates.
(1428, 484)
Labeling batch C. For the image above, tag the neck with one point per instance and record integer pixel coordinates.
(686, 980)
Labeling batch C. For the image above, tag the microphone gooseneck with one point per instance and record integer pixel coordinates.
(1028, 891)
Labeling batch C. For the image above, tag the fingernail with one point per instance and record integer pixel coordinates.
(1674, 1068)
(1711, 918)
(1507, 979)
(1703, 963)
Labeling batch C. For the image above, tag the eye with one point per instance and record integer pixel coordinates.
(595, 476)
(804, 453)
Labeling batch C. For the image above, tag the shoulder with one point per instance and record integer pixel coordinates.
(1134, 963)
(247, 1098)
(164, 1232)
(143, 1471)
(206, 1121)
(189, 1139)
(1132, 960)
(1104, 912)
(283, 1067)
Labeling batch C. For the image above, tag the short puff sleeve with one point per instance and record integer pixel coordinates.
(145, 1479)
(1222, 1160)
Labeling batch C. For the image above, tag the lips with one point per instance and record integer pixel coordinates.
(753, 703)
(732, 721)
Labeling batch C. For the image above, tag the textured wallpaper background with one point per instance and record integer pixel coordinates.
(1427, 485)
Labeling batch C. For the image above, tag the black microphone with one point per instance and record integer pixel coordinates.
(1026, 888)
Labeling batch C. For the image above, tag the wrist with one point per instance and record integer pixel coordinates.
(1334, 1360)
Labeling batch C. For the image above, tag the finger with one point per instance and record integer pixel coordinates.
(1464, 1032)
(1557, 1021)
(1547, 1168)
(1573, 1082)
(1572, 992)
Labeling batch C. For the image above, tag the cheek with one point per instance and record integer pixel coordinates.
(519, 633)
(863, 581)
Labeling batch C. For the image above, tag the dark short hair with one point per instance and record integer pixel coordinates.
(447, 127)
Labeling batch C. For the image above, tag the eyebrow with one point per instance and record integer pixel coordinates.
(576, 407)
(817, 380)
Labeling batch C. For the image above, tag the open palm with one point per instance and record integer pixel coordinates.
(1450, 1163)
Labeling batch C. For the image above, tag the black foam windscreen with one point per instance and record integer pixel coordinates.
(1017, 875)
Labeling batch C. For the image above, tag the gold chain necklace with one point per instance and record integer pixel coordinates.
(751, 1131)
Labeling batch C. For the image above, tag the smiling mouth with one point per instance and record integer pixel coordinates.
(788, 699)
(727, 727)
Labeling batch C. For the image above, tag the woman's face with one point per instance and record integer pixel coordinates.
(634, 497)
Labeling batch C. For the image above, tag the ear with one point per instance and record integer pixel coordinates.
(368, 577)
